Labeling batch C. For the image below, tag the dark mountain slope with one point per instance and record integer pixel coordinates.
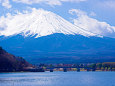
(9, 63)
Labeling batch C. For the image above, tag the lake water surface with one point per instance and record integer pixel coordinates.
(58, 79)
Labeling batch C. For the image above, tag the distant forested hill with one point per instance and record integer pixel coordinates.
(9, 63)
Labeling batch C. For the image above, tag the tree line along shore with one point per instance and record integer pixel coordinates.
(105, 66)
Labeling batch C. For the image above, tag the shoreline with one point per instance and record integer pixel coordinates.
(55, 71)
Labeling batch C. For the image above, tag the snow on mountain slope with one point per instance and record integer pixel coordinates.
(38, 23)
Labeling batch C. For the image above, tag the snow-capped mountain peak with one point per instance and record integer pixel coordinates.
(38, 22)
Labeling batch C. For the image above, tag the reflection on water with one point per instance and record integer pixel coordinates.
(58, 79)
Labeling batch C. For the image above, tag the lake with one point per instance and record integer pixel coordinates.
(58, 79)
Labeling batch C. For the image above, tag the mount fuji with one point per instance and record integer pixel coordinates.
(39, 23)
(43, 37)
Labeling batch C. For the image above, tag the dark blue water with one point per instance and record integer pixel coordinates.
(58, 79)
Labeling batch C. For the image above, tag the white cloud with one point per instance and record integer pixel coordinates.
(50, 2)
(92, 25)
(5, 3)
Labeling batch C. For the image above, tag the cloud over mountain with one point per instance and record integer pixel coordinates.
(93, 25)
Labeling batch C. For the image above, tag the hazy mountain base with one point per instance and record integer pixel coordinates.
(60, 48)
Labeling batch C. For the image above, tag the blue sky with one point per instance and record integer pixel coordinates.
(101, 13)
(104, 9)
